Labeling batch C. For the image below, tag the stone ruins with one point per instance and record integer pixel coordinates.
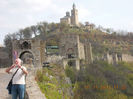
(71, 51)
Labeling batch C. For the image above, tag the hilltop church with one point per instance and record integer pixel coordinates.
(71, 19)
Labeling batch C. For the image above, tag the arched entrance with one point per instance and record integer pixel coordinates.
(27, 57)
(70, 53)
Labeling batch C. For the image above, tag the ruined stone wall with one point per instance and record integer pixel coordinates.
(4, 57)
(53, 59)
(81, 51)
(109, 58)
(35, 47)
(114, 58)
(68, 45)
(42, 51)
(127, 58)
(75, 62)
(88, 52)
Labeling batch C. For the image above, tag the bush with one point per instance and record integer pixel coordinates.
(71, 73)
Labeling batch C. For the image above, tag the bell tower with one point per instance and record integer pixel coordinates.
(74, 16)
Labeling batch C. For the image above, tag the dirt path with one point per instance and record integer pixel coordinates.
(4, 79)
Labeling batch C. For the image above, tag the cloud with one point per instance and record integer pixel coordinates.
(38, 5)
(24, 6)
(16, 14)
(84, 13)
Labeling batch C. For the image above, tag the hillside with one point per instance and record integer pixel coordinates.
(98, 80)
(101, 80)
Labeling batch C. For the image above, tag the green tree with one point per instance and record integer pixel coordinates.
(34, 29)
(27, 33)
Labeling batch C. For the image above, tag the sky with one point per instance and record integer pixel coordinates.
(18, 14)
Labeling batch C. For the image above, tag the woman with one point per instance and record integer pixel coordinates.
(18, 88)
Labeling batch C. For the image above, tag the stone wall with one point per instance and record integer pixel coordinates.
(114, 58)
(81, 50)
(127, 58)
(68, 45)
(53, 59)
(32, 87)
(72, 50)
(75, 63)
(88, 52)
(4, 57)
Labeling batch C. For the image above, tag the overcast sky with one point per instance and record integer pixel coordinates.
(17, 14)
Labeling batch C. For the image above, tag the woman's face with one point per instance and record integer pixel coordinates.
(16, 62)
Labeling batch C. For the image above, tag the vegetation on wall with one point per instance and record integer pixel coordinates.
(53, 82)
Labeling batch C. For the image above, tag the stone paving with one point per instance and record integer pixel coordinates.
(31, 86)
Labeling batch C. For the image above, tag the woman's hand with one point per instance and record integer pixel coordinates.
(8, 69)
(19, 66)
(13, 66)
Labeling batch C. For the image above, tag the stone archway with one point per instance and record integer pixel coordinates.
(27, 57)
(30, 51)
(70, 53)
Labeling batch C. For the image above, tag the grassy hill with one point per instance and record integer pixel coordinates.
(101, 80)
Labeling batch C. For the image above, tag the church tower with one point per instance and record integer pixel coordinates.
(74, 16)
